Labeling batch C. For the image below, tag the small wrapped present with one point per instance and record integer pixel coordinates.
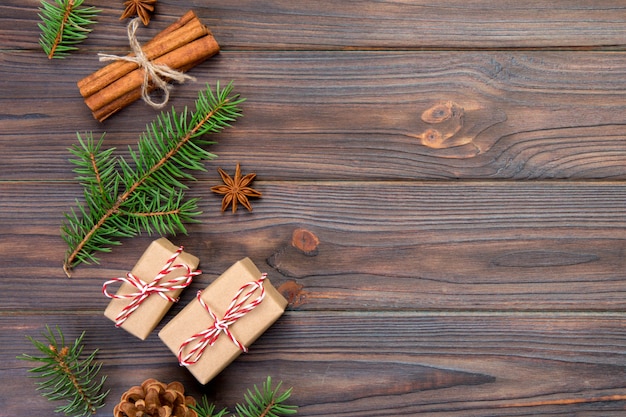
(148, 291)
(223, 320)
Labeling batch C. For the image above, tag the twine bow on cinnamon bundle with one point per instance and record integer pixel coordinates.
(178, 48)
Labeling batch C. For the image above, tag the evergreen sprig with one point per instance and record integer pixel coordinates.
(123, 198)
(267, 401)
(67, 375)
(64, 24)
(206, 409)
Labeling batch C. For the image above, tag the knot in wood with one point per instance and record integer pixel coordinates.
(293, 292)
(305, 241)
(449, 118)
(432, 138)
(439, 113)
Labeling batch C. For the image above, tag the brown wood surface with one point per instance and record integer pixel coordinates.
(471, 267)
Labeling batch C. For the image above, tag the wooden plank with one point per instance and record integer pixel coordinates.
(326, 24)
(408, 297)
(387, 246)
(366, 115)
(369, 363)
(482, 297)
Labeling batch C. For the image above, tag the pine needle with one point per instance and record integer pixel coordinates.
(64, 24)
(264, 402)
(67, 375)
(205, 409)
(123, 198)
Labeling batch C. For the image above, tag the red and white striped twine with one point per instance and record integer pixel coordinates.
(145, 290)
(236, 310)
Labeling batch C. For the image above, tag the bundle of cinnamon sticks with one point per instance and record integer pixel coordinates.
(181, 46)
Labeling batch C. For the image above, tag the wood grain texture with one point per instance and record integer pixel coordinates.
(374, 364)
(324, 24)
(520, 116)
(443, 203)
(443, 246)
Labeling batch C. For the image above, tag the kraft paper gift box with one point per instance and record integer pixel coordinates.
(183, 332)
(151, 310)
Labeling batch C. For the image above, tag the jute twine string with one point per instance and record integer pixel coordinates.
(157, 74)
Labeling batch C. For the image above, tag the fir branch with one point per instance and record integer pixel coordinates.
(64, 24)
(66, 376)
(146, 194)
(264, 402)
(205, 409)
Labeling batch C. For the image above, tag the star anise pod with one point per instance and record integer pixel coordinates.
(141, 8)
(236, 189)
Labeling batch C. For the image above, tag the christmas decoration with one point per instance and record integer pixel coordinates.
(150, 289)
(64, 24)
(236, 189)
(266, 401)
(178, 48)
(124, 198)
(67, 375)
(206, 409)
(223, 320)
(156, 399)
(141, 8)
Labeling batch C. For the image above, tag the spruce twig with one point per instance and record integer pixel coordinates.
(264, 402)
(66, 376)
(124, 198)
(205, 409)
(64, 24)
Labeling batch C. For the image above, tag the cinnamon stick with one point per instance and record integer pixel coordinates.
(182, 21)
(108, 70)
(167, 43)
(127, 90)
(183, 44)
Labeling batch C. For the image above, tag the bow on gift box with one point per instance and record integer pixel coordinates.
(236, 310)
(145, 290)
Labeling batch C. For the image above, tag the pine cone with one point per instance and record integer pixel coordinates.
(155, 399)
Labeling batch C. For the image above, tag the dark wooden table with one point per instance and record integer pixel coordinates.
(467, 267)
